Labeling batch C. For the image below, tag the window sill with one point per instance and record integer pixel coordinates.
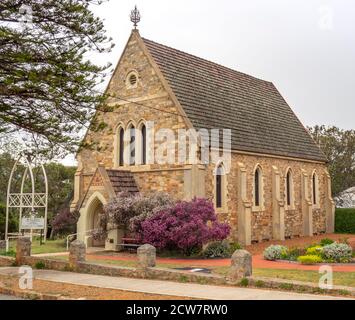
(136, 167)
(221, 210)
(257, 208)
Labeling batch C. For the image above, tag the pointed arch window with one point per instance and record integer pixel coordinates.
(132, 145)
(144, 144)
(121, 147)
(258, 187)
(314, 189)
(289, 188)
(219, 186)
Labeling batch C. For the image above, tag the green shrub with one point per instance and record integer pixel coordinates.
(294, 253)
(314, 251)
(343, 292)
(309, 259)
(326, 241)
(311, 246)
(260, 284)
(275, 252)
(244, 282)
(286, 286)
(337, 252)
(183, 279)
(345, 220)
(217, 249)
(234, 247)
(40, 265)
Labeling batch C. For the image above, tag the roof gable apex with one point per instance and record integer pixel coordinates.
(162, 78)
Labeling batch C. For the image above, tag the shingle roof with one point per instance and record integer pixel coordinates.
(122, 181)
(214, 96)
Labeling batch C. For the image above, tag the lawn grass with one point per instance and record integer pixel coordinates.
(51, 246)
(339, 278)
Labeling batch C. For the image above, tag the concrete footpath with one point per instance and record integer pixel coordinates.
(167, 287)
(6, 297)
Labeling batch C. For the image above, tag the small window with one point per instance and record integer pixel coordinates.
(219, 191)
(144, 145)
(132, 80)
(314, 188)
(288, 187)
(121, 147)
(132, 146)
(257, 187)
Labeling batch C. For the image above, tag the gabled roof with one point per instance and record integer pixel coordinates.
(113, 181)
(214, 96)
(122, 181)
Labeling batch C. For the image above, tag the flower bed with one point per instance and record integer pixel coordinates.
(327, 251)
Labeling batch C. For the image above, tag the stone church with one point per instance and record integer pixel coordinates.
(277, 185)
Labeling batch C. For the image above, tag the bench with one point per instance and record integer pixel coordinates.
(129, 244)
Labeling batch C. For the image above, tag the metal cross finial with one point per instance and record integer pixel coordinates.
(135, 17)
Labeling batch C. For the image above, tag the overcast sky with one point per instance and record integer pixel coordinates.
(305, 47)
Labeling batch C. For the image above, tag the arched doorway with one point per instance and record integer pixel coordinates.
(93, 220)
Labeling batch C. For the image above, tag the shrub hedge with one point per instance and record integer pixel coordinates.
(345, 220)
(311, 259)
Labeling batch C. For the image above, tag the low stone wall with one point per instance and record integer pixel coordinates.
(47, 263)
(240, 272)
(6, 261)
(180, 276)
(183, 276)
(149, 273)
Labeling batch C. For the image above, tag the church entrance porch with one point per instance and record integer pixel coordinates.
(94, 212)
(105, 184)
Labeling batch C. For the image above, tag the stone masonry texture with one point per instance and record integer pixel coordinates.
(152, 96)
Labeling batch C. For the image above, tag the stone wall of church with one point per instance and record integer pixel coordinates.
(170, 181)
(149, 97)
(262, 218)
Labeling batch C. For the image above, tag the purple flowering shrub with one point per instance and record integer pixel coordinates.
(128, 211)
(65, 221)
(146, 206)
(185, 226)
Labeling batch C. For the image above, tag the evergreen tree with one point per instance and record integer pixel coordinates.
(339, 147)
(47, 86)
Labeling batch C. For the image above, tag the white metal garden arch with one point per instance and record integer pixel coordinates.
(21, 200)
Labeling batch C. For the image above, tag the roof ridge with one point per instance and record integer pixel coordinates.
(213, 96)
(208, 61)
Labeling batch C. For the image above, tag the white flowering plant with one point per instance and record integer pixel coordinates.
(337, 252)
(275, 252)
